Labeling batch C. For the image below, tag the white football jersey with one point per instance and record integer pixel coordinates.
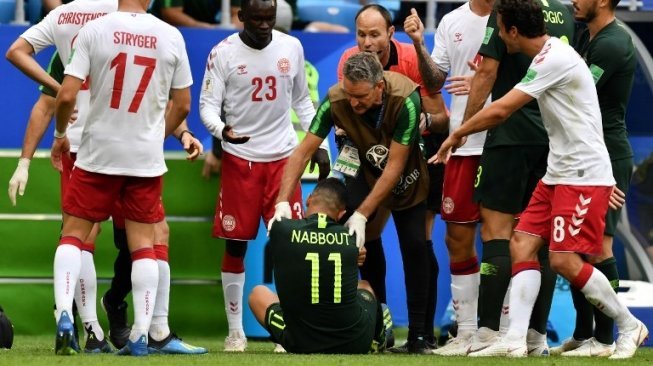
(563, 85)
(457, 40)
(256, 90)
(59, 28)
(132, 60)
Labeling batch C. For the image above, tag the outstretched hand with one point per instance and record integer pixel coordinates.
(448, 147)
(320, 159)
(230, 136)
(192, 146)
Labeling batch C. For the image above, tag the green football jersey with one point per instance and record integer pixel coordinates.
(610, 56)
(316, 277)
(524, 127)
(55, 69)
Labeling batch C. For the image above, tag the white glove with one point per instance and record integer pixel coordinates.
(281, 211)
(18, 181)
(356, 225)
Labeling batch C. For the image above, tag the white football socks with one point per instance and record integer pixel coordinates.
(599, 293)
(145, 279)
(159, 329)
(524, 288)
(464, 294)
(232, 286)
(86, 296)
(67, 264)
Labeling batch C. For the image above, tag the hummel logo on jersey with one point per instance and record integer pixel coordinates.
(241, 70)
(209, 62)
(579, 216)
(458, 37)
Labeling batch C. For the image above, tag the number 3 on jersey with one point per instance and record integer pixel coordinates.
(120, 64)
(270, 83)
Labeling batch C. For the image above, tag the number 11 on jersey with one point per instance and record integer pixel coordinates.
(314, 258)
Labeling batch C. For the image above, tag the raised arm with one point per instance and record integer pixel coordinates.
(433, 77)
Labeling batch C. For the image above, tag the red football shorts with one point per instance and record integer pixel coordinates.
(118, 216)
(458, 190)
(93, 196)
(249, 191)
(67, 162)
(569, 218)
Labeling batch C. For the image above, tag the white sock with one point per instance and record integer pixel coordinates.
(504, 321)
(523, 293)
(145, 278)
(159, 328)
(67, 263)
(86, 294)
(232, 286)
(599, 293)
(464, 294)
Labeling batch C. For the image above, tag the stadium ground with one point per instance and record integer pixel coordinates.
(38, 350)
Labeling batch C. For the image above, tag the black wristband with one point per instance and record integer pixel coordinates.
(182, 134)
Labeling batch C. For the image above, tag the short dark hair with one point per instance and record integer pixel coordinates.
(379, 8)
(525, 15)
(246, 4)
(331, 192)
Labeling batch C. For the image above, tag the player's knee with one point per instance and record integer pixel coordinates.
(233, 260)
(524, 248)
(491, 231)
(162, 232)
(258, 293)
(559, 264)
(460, 249)
(364, 285)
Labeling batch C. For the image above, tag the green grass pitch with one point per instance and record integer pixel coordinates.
(39, 350)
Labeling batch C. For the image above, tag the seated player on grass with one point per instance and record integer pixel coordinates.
(321, 307)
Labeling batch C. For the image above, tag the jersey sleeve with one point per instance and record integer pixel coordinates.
(407, 130)
(41, 35)
(182, 77)
(545, 71)
(603, 62)
(322, 122)
(55, 70)
(80, 64)
(212, 94)
(492, 45)
(440, 55)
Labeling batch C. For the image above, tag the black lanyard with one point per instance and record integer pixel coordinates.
(380, 117)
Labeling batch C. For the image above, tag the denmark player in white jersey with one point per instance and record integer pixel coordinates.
(60, 28)
(567, 209)
(136, 63)
(254, 77)
(457, 40)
